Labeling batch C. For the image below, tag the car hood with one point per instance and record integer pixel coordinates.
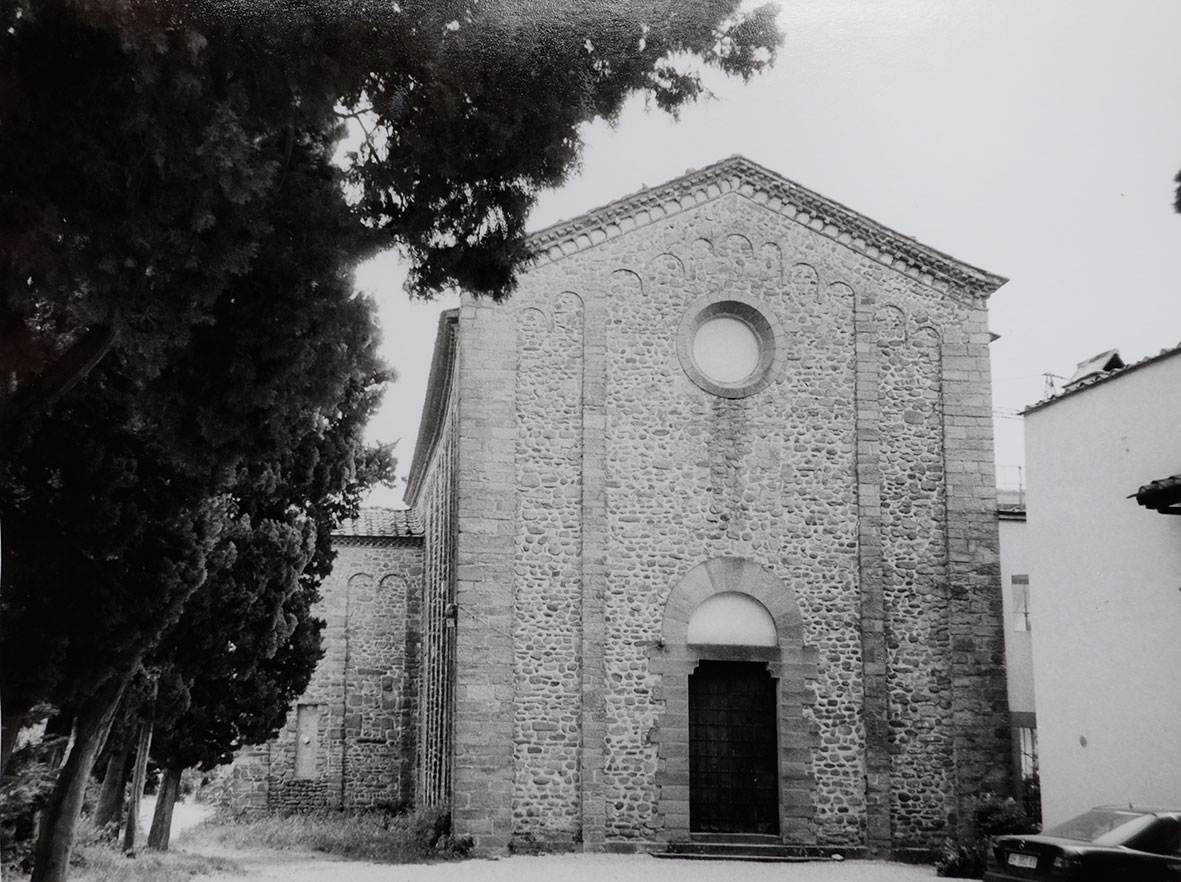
(1039, 839)
(1035, 843)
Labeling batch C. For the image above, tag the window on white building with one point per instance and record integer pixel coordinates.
(1020, 589)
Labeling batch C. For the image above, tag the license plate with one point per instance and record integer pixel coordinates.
(1029, 861)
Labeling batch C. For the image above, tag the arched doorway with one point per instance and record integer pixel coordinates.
(733, 741)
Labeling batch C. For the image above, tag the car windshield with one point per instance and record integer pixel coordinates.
(1102, 826)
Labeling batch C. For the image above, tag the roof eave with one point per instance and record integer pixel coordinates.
(432, 407)
(1101, 379)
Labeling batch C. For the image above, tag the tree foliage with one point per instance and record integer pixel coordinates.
(125, 486)
(145, 140)
(181, 356)
(242, 447)
(148, 151)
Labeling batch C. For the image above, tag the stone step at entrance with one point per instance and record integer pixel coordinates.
(752, 847)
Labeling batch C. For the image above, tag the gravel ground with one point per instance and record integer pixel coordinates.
(261, 866)
(570, 868)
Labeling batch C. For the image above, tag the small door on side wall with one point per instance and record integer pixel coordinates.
(733, 749)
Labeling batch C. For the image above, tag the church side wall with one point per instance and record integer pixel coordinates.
(438, 618)
(348, 741)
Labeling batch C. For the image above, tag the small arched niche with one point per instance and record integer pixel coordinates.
(732, 618)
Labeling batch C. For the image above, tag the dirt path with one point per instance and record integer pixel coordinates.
(567, 868)
(184, 815)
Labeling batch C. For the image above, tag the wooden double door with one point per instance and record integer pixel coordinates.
(733, 749)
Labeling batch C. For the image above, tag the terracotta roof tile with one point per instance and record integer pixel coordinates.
(382, 522)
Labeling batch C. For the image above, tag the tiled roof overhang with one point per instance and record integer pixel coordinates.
(1102, 378)
(1162, 495)
(381, 523)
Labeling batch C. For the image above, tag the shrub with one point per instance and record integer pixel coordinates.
(962, 861)
(430, 826)
(1001, 815)
(993, 815)
(27, 783)
(1031, 798)
(212, 787)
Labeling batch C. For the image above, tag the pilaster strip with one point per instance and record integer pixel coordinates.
(875, 705)
(981, 736)
(482, 781)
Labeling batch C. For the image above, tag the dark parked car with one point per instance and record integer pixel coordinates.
(1106, 844)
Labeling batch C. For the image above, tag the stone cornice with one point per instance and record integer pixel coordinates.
(737, 174)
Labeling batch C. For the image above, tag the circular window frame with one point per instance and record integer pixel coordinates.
(745, 310)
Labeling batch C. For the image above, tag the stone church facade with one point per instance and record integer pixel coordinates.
(702, 542)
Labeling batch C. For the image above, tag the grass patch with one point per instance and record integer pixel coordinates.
(379, 836)
(99, 863)
(96, 857)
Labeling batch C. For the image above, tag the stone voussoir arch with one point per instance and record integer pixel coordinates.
(731, 574)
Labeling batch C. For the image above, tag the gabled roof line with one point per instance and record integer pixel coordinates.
(1100, 378)
(738, 174)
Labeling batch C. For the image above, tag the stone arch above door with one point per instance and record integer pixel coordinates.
(731, 574)
(790, 663)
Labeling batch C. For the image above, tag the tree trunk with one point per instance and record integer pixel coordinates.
(60, 726)
(142, 747)
(110, 798)
(117, 758)
(51, 856)
(68, 369)
(162, 817)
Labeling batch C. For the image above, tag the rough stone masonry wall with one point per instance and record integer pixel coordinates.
(778, 478)
(548, 573)
(381, 679)
(361, 698)
(692, 477)
(915, 578)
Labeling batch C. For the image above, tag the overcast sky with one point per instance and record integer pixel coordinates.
(1036, 139)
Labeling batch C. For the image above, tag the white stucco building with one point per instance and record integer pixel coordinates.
(1015, 587)
(1105, 574)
